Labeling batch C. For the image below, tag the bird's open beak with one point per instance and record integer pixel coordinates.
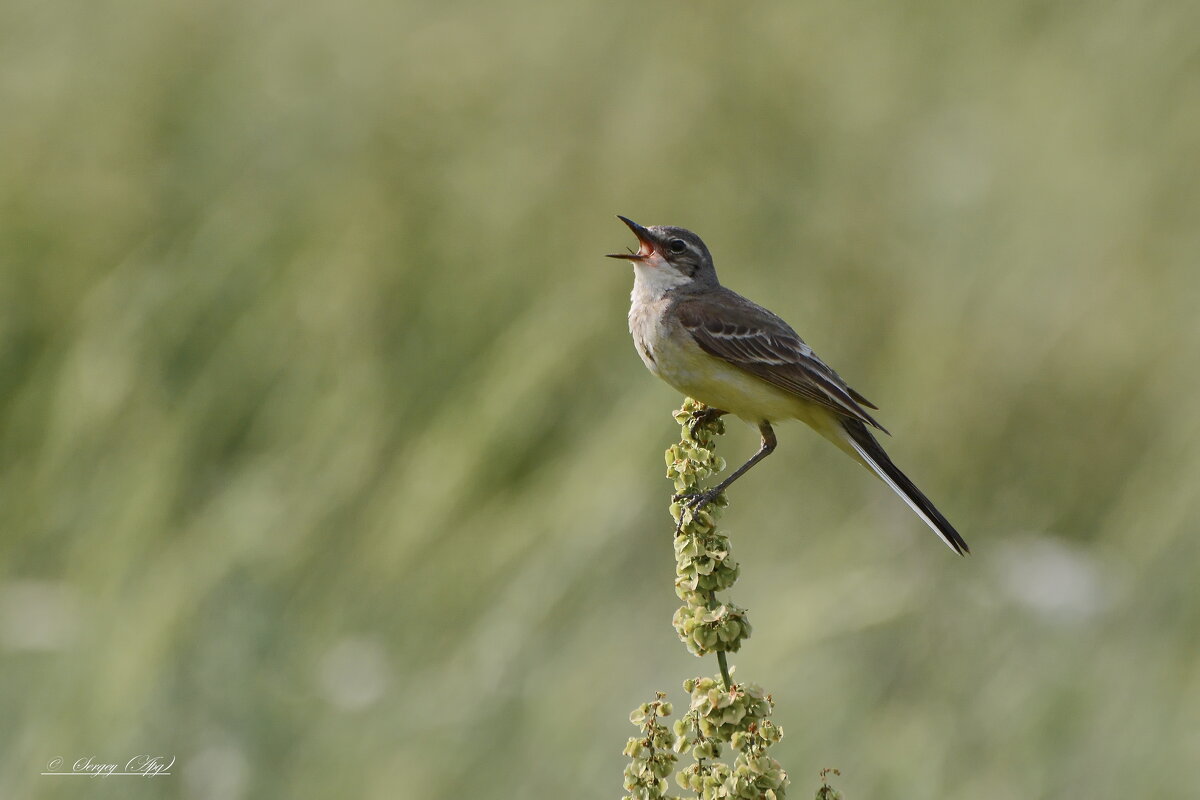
(645, 238)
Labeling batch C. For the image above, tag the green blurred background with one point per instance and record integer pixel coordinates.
(329, 467)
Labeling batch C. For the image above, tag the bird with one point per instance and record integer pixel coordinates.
(736, 357)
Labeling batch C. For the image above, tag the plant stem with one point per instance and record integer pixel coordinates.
(724, 670)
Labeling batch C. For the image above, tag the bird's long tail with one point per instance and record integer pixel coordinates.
(872, 454)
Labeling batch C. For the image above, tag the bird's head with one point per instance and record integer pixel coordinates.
(673, 255)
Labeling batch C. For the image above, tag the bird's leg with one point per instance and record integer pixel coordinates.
(703, 417)
(701, 499)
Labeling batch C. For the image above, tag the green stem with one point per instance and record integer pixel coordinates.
(724, 670)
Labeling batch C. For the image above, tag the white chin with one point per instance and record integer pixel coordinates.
(657, 276)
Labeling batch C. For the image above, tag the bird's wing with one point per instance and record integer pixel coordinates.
(748, 336)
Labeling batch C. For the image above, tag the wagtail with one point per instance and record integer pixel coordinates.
(738, 358)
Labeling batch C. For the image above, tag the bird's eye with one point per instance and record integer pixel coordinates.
(677, 245)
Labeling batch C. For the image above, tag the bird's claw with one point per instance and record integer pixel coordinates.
(696, 501)
(703, 416)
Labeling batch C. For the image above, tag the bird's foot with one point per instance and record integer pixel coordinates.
(693, 502)
(697, 500)
(703, 416)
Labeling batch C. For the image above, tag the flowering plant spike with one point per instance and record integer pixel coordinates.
(721, 714)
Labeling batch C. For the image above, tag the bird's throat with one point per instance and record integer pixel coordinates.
(651, 281)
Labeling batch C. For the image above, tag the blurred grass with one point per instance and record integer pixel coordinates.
(328, 467)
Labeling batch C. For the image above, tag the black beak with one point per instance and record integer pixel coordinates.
(644, 237)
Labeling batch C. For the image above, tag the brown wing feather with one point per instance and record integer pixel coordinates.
(750, 337)
(862, 401)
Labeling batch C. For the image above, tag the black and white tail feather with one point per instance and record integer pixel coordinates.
(873, 455)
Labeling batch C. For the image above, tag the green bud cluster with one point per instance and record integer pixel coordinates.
(722, 714)
(651, 758)
(703, 566)
(737, 717)
(827, 792)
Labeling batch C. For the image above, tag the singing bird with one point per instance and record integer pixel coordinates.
(736, 357)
